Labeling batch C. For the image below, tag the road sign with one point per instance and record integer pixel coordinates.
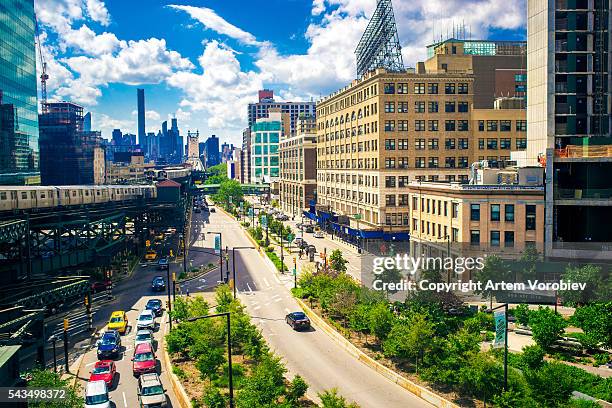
(66, 325)
(294, 272)
(171, 254)
(290, 238)
(500, 329)
(264, 221)
(250, 212)
(217, 242)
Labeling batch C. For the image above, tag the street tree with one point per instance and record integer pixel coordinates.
(331, 399)
(546, 326)
(49, 379)
(596, 322)
(410, 339)
(337, 262)
(495, 270)
(380, 320)
(598, 287)
(230, 191)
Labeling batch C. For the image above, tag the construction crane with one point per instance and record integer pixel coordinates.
(43, 64)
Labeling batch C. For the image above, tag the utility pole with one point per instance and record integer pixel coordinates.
(53, 340)
(174, 287)
(88, 310)
(282, 254)
(169, 300)
(66, 346)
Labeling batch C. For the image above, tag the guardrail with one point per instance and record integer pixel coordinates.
(584, 152)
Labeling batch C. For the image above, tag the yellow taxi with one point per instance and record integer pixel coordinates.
(118, 321)
(150, 255)
(160, 236)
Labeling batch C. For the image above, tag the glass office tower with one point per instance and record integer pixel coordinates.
(18, 98)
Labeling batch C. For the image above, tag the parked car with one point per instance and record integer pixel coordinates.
(151, 393)
(163, 264)
(96, 395)
(104, 370)
(118, 321)
(319, 234)
(144, 359)
(143, 336)
(109, 346)
(151, 255)
(298, 242)
(298, 320)
(146, 320)
(100, 286)
(309, 229)
(158, 284)
(156, 306)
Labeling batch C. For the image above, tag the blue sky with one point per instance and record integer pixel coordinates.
(204, 60)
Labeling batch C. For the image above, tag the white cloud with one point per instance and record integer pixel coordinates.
(97, 11)
(211, 20)
(152, 115)
(90, 43)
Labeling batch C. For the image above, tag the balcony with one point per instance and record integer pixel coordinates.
(581, 152)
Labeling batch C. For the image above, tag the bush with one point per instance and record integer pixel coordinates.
(521, 312)
(331, 399)
(546, 326)
(601, 359)
(297, 389)
(533, 357)
(281, 267)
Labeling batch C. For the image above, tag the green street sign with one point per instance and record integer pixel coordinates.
(264, 221)
(250, 212)
(290, 238)
(294, 271)
(357, 216)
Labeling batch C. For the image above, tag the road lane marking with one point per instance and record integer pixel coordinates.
(278, 300)
(266, 282)
(90, 364)
(250, 290)
(257, 308)
(276, 278)
(124, 400)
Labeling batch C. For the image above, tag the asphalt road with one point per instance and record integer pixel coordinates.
(313, 354)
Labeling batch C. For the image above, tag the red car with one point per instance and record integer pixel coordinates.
(144, 359)
(99, 286)
(104, 371)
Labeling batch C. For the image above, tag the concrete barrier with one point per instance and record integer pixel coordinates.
(179, 392)
(391, 375)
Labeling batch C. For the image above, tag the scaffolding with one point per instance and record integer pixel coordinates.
(379, 46)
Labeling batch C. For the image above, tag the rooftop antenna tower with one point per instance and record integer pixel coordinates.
(379, 46)
(43, 65)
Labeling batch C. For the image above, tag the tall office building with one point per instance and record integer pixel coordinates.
(141, 114)
(211, 152)
(87, 122)
(265, 138)
(69, 155)
(19, 153)
(266, 102)
(193, 148)
(568, 107)
(245, 157)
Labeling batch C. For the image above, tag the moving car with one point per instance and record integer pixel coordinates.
(151, 255)
(212, 209)
(143, 336)
(158, 284)
(118, 321)
(99, 286)
(104, 370)
(144, 359)
(163, 264)
(298, 320)
(109, 346)
(146, 320)
(319, 234)
(151, 393)
(309, 229)
(298, 242)
(96, 395)
(155, 305)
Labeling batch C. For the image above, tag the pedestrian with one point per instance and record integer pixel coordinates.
(187, 292)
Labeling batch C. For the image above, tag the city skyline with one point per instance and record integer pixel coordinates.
(180, 64)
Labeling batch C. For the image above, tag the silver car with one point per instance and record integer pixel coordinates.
(151, 393)
(143, 336)
(146, 320)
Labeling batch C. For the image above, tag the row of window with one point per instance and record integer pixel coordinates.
(432, 107)
(432, 88)
(403, 162)
(501, 125)
(432, 125)
(495, 214)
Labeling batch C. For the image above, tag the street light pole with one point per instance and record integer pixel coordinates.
(220, 251)
(282, 255)
(505, 306)
(53, 340)
(234, 265)
(66, 346)
(226, 264)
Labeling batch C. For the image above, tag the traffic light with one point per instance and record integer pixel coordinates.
(294, 262)
(86, 301)
(66, 324)
(173, 276)
(148, 243)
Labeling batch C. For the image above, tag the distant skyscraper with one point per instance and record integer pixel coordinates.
(212, 151)
(192, 144)
(18, 96)
(141, 114)
(87, 122)
(117, 137)
(266, 101)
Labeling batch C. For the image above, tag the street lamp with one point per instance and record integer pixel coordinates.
(220, 250)
(229, 350)
(53, 339)
(234, 265)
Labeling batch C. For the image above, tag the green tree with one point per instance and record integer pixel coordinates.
(359, 319)
(297, 389)
(380, 320)
(550, 386)
(410, 339)
(529, 257)
(264, 387)
(331, 399)
(482, 376)
(533, 357)
(598, 288)
(229, 191)
(337, 262)
(521, 312)
(49, 379)
(214, 399)
(495, 270)
(596, 322)
(546, 326)
(210, 360)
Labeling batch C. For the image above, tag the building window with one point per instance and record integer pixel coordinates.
(389, 88)
(432, 88)
(419, 107)
(455, 210)
(494, 238)
(402, 107)
(449, 125)
(474, 212)
(433, 144)
(521, 143)
(530, 217)
(433, 163)
(419, 125)
(402, 125)
(449, 144)
(449, 106)
(492, 144)
(509, 212)
(450, 163)
(390, 181)
(449, 89)
(505, 125)
(505, 144)
(455, 234)
(402, 144)
(462, 107)
(433, 125)
(389, 107)
(495, 212)
(481, 144)
(419, 88)
(419, 144)
(481, 125)
(491, 126)
(402, 162)
(390, 200)
(389, 144)
(419, 162)
(521, 125)
(462, 89)
(432, 107)
(403, 181)
(475, 237)
(389, 163)
(389, 125)
(463, 144)
(402, 88)
(463, 162)
(462, 125)
(509, 239)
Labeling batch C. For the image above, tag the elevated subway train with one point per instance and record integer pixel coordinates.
(29, 197)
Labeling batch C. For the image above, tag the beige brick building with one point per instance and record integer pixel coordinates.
(133, 172)
(386, 130)
(298, 172)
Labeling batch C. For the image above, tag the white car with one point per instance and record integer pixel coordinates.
(143, 336)
(319, 234)
(96, 395)
(146, 320)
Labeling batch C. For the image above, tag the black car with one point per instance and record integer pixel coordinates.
(163, 264)
(309, 229)
(158, 284)
(298, 320)
(155, 305)
(109, 345)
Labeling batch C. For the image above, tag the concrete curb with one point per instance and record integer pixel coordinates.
(391, 375)
(179, 392)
